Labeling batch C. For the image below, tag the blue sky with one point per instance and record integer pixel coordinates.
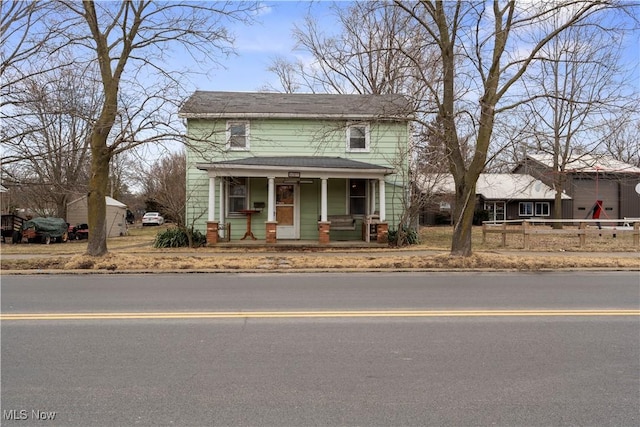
(271, 36)
(258, 44)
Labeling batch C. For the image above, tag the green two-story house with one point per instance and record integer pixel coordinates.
(274, 166)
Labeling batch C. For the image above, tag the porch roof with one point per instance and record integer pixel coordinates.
(305, 166)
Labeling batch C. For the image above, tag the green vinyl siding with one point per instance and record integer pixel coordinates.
(298, 138)
(309, 210)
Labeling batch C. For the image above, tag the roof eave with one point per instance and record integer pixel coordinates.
(294, 116)
(283, 171)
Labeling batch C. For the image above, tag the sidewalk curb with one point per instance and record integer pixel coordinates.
(310, 271)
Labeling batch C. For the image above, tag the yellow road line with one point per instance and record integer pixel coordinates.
(315, 314)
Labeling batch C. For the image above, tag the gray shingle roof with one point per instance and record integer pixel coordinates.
(302, 162)
(205, 104)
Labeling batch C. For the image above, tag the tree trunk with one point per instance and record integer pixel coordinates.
(96, 203)
(557, 205)
(559, 180)
(61, 206)
(463, 214)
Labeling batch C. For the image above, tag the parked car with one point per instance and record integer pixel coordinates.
(152, 218)
(45, 230)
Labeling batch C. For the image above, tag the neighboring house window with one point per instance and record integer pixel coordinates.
(238, 192)
(357, 196)
(358, 137)
(526, 208)
(238, 135)
(542, 209)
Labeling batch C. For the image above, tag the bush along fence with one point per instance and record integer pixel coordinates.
(586, 227)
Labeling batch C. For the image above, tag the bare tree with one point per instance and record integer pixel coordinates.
(576, 89)
(366, 55)
(131, 42)
(622, 140)
(165, 185)
(287, 73)
(483, 51)
(46, 136)
(28, 46)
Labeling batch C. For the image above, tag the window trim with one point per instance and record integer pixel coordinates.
(367, 137)
(247, 133)
(228, 203)
(350, 197)
(542, 204)
(520, 210)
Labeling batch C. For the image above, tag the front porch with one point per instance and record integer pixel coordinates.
(373, 233)
(266, 201)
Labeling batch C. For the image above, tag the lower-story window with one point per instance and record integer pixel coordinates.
(526, 209)
(357, 196)
(238, 191)
(542, 209)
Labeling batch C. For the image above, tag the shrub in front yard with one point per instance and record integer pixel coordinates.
(178, 238)
(403, 237)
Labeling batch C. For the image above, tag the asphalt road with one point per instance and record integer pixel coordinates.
(321, 349)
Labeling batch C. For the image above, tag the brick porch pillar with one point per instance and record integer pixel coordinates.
(324, 232)
(383, 232)
(212, 233)
(271, 231)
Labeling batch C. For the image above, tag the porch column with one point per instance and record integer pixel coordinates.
(324, 226)
(272, 198)
(372, 192)
(212, 199)
(222, 207)
(271, 224)
(212, 224)
(323, 200)
(383, 200)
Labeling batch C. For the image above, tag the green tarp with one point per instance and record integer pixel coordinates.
(55, 227)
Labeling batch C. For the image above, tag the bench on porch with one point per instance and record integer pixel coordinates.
(342, 222)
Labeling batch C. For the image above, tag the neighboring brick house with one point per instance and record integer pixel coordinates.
(295, 166)
(591, 178)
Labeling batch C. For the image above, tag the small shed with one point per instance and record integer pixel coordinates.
(77, 213)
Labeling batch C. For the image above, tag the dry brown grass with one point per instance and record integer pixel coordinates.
(321, 261)
(440, 238)
(135, 253)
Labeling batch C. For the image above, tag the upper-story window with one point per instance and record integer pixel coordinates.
(238, 135)
(358, 137)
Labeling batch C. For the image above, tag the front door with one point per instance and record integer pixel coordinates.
(287, 212)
